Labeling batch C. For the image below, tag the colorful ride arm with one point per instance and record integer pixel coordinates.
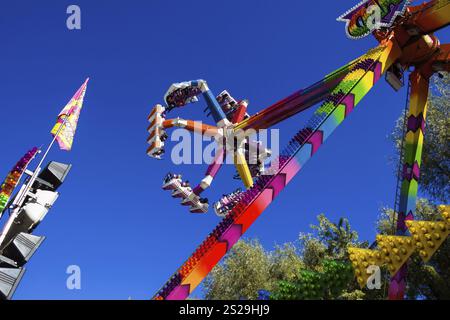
(158, 126)
(295, 103)
(412, 154)
(429, 17)
(411, 169)
(179, 94)
(360, 79)
(211, 172)
(242, 166)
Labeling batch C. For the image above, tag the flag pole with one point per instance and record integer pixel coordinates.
(24, 191)
(54, 139)
(30, 182)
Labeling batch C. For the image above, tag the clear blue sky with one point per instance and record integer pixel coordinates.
(112, 218)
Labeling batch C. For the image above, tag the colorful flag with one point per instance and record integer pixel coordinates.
(66, 124)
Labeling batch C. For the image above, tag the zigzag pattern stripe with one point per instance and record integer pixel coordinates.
(411, 169)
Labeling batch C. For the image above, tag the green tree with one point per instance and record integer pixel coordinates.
(248, 268)
(325, 257)
(335, 236)
(285, 263)
(309, 268)
(329, 283)
(244, 271)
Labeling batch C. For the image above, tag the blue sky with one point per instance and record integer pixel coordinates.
(112, 218)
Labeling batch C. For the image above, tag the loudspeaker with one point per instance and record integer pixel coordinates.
(52, 176)
(22, 248)
(9, 279)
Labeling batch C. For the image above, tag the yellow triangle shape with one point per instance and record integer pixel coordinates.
(445, 213)
(395, 251)
(361, 259)
(428, 236)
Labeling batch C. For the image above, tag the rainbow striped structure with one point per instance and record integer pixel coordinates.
(408, 43)
(363, 74)
(411, 168)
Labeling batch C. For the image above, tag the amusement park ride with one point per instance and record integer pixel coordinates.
(29, 206)
(406, 43)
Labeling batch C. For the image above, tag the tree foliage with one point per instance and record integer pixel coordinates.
(326, 284)
(248, 268)
(316, 266)
(244, 271)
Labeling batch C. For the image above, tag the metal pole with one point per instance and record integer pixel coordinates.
(38, 168)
